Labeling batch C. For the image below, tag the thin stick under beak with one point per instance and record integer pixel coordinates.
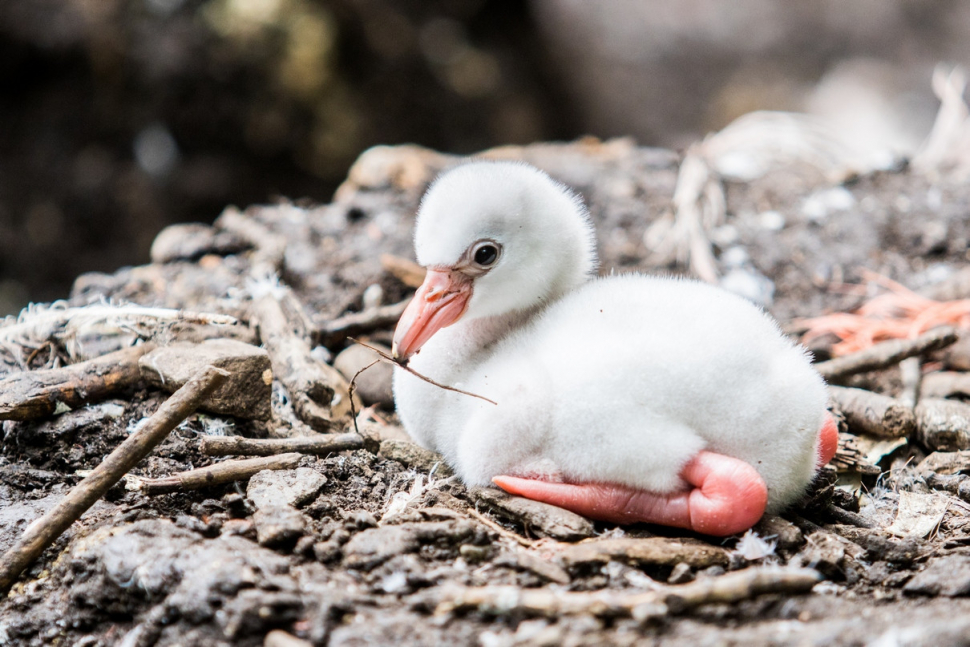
(439, 302)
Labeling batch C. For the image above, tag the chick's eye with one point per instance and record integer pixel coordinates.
(486, 254)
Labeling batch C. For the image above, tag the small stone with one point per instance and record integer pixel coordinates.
(327, 551)
(473, 554)
(373, 296)
(751, 285)
(771, 220)
(415, 456)
(360, 520)
(949, 576)
(945, 463)
(192, 241)
(682, 574)
(787, 535)
(820, 204)
(374, 384)
(273, 488)
(525, 561)
(279, 527)
(246, 394)
(375, 546)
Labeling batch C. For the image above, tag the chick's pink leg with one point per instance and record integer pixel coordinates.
(728, 496)
(828, 440)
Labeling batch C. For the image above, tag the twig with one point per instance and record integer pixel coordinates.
(404, 270)
(946, 384)
(504, 532)
(67, 325)
(43, 532)
(311, 385)
(216, 474)
(847, 517)
(316, 445)
(943, 425)
(336, 331)
(410, 370)
(269, 247)
(886, 354)
(911, 375)
(732, 587)
(353, 389)
(874, 414)
(36, 394)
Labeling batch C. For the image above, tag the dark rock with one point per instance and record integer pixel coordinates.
(246, 394)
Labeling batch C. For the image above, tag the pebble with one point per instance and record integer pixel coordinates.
(821, 204)
(374, 384)
(771, 220)
(751, 285)
(273, 488)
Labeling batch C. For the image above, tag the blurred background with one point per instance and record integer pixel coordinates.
(118, 117)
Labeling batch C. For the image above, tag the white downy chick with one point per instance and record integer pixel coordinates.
(611, 380)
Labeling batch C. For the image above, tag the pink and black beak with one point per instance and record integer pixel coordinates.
(440, 301)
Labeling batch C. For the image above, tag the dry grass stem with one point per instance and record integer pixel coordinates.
(886, 354)
(387, 358)
(319, 445)
(216, 474)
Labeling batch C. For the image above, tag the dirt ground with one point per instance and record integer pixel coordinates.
(197, 568)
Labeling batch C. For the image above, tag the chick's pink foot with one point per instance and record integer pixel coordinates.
(828, 440)
(728, 495)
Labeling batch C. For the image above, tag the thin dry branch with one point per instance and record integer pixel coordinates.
(410, 370)
(873, 414)
(69, 326)
(316, 445)
(404, 270)
(729, 588)
(886, 354)
(310, 384)
(336, 331)
(30, 395)
(43, 532)
(217, 474)
(270, 247)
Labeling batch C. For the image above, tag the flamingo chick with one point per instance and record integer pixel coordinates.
(628, 398)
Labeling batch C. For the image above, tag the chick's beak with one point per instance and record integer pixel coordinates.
(439, 302)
